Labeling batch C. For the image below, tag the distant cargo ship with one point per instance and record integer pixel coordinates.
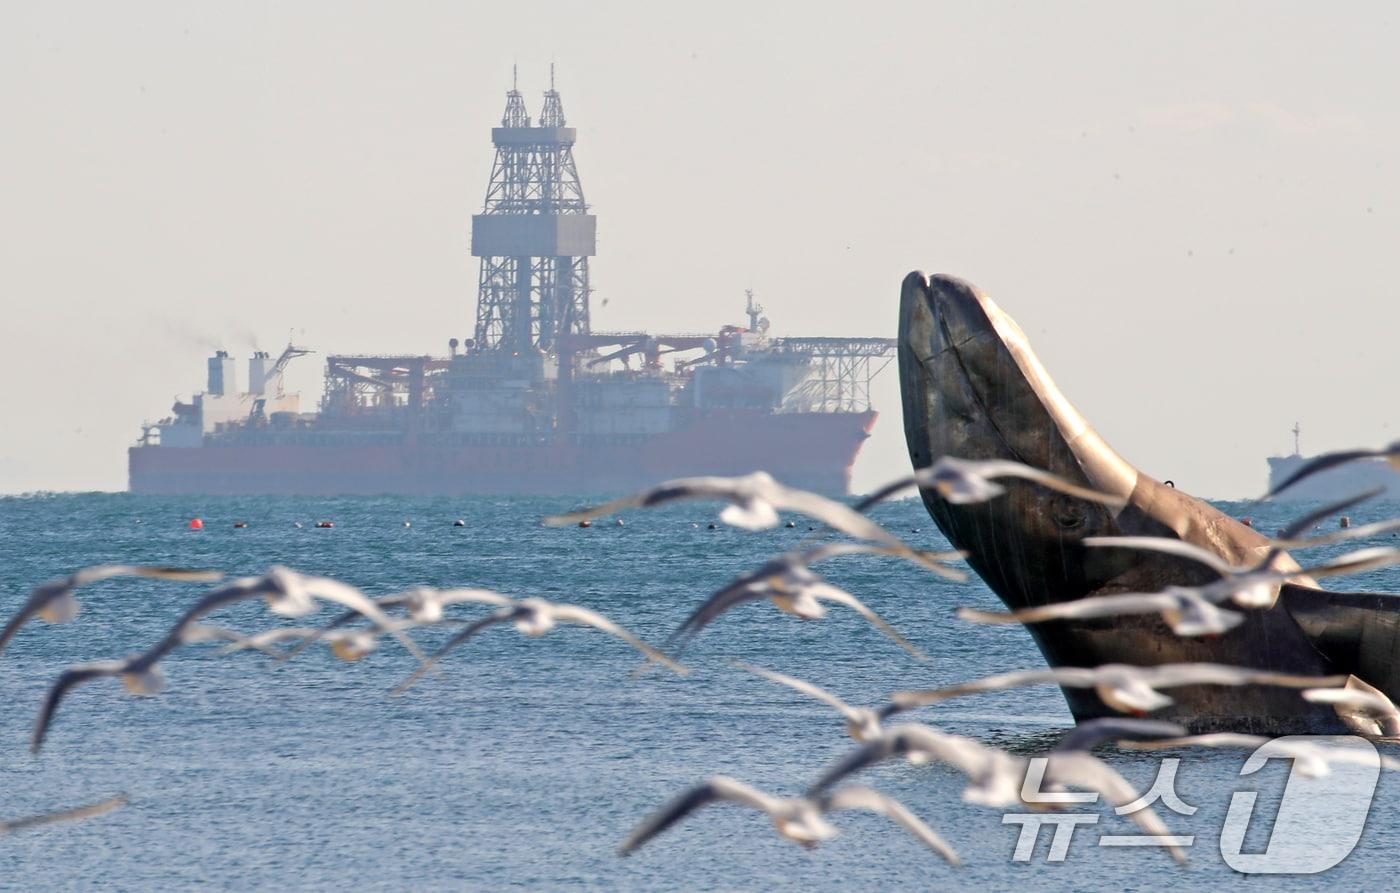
(1334, 483)
(536, 401)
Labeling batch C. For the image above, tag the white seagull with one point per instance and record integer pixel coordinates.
(1183, 608)
(967, 481)
(1313, 760)
(862, 723)
(285, 592)
(1192, 610)
(801, 820)
(997, 779)
(789, 583)
(1125, 688)
(102, 807)
(755, 500)
(54, 602)
(534, 617)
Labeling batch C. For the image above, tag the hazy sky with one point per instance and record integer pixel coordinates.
(1191, 208)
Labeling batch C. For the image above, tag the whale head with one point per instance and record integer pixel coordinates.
(973, 388)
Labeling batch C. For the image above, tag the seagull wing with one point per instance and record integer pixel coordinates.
(830, 593)
(749, 588)
(1079, 769)
(1169, 546)
(1355, 562)
(41, 596)
(835, 515)
(1322, 463)
(47, 592)
(965, 754)
(1088, 735)
(584, 617)
(1365, 531)
(499, 616)
(1078, 609)
(67, 680)
(335, 591)
(806, 688)
(1003, 468)
(861, 797)
(1174, 675)
(723, 488)
(1074, 677)
(1306, 522)
(923, 557)
(710, 791)
(885, 492)
(102, 807)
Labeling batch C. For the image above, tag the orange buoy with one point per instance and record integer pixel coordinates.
(1247, 522)
(585, 523)
(196, 524)
(324, 524)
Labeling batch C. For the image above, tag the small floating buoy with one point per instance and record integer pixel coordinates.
(618, 523)
(1247, 522)
(296, 524)
(811, 528)
(196, 524)
(585, 523)
(697, 526)
(459, 523)
(792, 524)
(713, 527)
(239, 525)
(408, 523)
(325, 524)
(138, 520)
(1345, 521)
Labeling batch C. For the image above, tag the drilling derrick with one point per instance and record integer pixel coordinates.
(534, 235)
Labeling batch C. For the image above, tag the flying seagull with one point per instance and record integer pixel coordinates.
(102, 807)
(1312, 760)
(997, 778)
(534, 617)
(1125, 688)
(967, 481)
(423, 604)
(1254, 585)
(799, 819)
(862, 723)
(755, 500)
(54, 602)
(1192, 610)
(789, 583)
(285, 592)
(1183, 608)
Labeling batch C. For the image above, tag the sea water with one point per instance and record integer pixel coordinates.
(525, 762)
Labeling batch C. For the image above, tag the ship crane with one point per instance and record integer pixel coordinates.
(289, 354)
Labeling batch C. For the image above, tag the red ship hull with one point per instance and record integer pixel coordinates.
(810, 450)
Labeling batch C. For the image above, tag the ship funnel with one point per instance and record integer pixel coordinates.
(223, 376)
(260, 370)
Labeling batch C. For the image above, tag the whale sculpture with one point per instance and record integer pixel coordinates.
(973, 388)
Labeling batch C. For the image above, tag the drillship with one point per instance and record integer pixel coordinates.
(535, 401)
(1334, 483)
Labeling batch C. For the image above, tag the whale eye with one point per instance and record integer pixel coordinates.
(1069, 514)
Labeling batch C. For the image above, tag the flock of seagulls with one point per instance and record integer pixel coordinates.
(994, 777)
